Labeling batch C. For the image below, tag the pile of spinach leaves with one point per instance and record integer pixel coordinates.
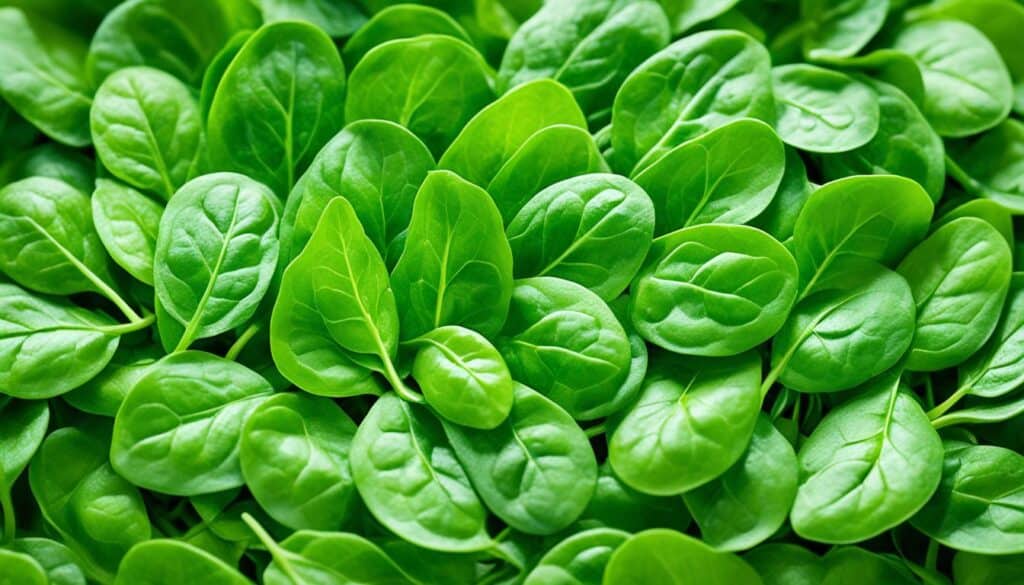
(511, 292)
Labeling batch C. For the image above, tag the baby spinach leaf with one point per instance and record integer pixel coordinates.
(590, 47)
(695, 84)
(779, 218)
(171, 562)
(328, 352)
(378, 166)
(215, 254)
(457, 265)
(41, 76)
(463, 377)
(841, 30)
(868, 466)
(327, 557)
(854, 563)
(57, 561)
(990, 164)
(967, 86)
(883, 217)
(713, 290)
(692, 421)
(147, 129)
(56, 161)
(786, 564)
(592, 229)
(260, 124)
(177, 36)
(47, 239)
(686, 14)
(25, 425)
(820, 110)
(410, 479)
(294, 452)
(495, 134)
(616, 505)
(97, 513)
(431, 84)
(839, 338)
(553, 154)
(579, 559)
(998, 368)
(673, 558)
(728, 175)
(959, 277)
(127, 223)
(400, 21)
(904, 145)
(49, 346)
(977, 507)
(975, 569)
(751, 500)
(103, 394)
(338, 19)
(20, 568)
(187, 403)
(536, 471)
(564, 341)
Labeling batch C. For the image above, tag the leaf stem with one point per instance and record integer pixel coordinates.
(931, 559)
(598, 429)
(279, 554)
(396, 382)
(948, 403)
(136, 325)
(7, 509)
(243, 340)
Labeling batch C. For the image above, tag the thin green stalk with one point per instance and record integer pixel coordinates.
(948, 403)
(243, 340)
(124, 328)
(396, 382)
(7, 509)
(598, 429)
(279, 554)
(931, 560)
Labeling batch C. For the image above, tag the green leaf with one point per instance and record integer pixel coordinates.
(294, 453)
(463, 377)
(564, 341)
(590, 47)
(695, 84)
(171, 562)
(841, 30)
(400, 21)
(410, 480)
(967, 86)
(692, 422)
(42, 78)
(728, 175)
(580, 559)
(457, 265)
(261, 124)
(377, 166)
(127, 223)
(431, 84)
(216, 252)
(147, 129)
(867, 467)
(824, 111)
(49, 346)
(977, 507)
(188, 402)
(959, 277)
(672, 558)
(97, 513)
(536, 471)
(591, 229)
(713, 290)
(750, 501)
